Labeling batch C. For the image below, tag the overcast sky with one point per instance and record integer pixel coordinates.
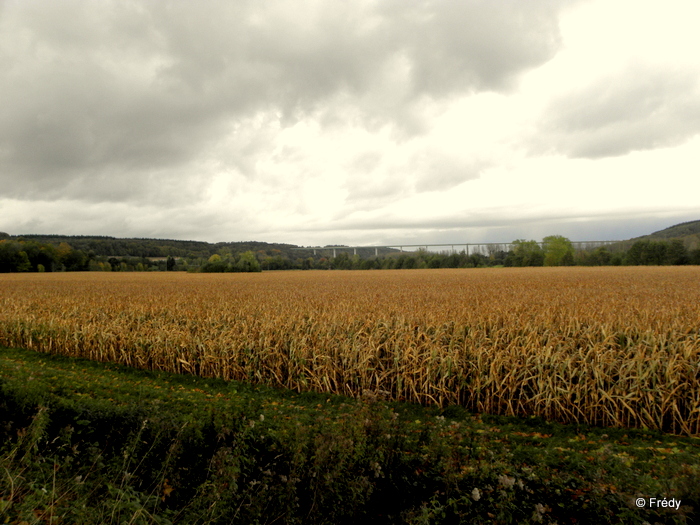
(355, 122)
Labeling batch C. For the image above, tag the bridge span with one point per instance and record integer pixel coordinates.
(479, 247)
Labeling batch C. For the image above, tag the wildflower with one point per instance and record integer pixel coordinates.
(506, 481)
(540, 510)
(476, 494)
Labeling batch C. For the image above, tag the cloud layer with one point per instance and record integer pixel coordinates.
(228, 119)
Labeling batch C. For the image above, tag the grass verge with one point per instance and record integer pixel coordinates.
(86, 442)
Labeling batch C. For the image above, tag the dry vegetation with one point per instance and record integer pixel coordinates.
(608, 346)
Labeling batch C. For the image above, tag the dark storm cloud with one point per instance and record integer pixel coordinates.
(106, 101)
(637, 109)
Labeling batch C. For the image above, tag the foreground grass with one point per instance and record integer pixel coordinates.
(84, 442)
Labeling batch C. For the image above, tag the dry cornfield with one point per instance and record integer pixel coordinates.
(605, 346)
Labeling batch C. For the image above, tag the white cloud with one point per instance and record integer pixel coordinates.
(311, 122)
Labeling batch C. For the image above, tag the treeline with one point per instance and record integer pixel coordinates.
(32, 256)
(25, 255)
(553, 251)
(103, 246)
(559, 251)
(231, 262)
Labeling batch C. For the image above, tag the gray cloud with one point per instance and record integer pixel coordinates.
(441, 172)
(367, 188)
(637, 109)
(498, 225)
(461, 46)
(118, 100)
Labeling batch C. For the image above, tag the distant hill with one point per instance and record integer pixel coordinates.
(116, 247)
(688, 232)
(104, 246)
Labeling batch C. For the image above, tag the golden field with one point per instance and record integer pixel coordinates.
(607, 346)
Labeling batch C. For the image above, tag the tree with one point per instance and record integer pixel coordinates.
(13, 258)
(525, 253)
(600, 256)
(40, 255)
(342, 261)
(214, 264)
(248, 263)
(558, 251)
(477, 260)
(76, 261)
(694, 256)
(63, 252)
(647, 253)
(677, 253)
(23, 264)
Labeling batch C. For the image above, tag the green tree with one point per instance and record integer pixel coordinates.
(342, 261)
(677, 253)
(248, 263)
(13, 258)
(694, 256)
(23, 264)
(63, 252)
(647, 253)
(525, 253)
(558, 251)
(40, 254)
(600, 256)
(214, 264)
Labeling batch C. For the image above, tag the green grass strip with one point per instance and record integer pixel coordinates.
(88, 442)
